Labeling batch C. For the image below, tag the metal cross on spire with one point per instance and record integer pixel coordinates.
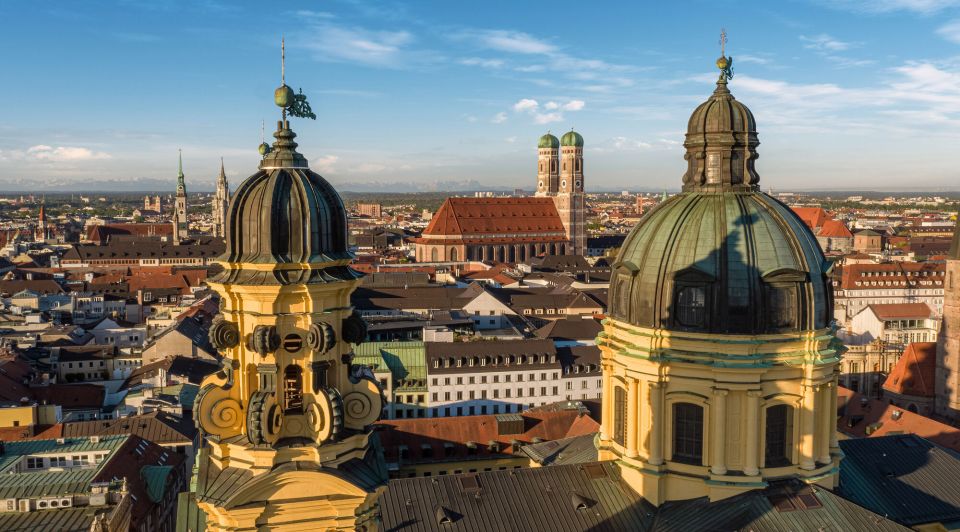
(283, 61)
(723, 42)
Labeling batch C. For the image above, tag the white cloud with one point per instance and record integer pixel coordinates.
(950, 31)
(485, 63)
(531, 68)
(325, 163)
(924, 7)
(508, 41)
(824, 42)
(552, 110)
(525, 104)
(546, 118)
(332, 42)
(499, 118)
(744, 58)
(42, 152)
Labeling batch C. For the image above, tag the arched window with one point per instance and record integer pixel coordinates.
(433, 255)
(779, 434)
(619, 415)
(453, 254)
(691, 304)
(293, 389)
(688, 433)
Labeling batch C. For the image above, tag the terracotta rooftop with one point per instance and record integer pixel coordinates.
(902, 311)
(461, 436)
(814, 217)
(834, 229)
(861, 418)
(915, 371)
(486, 216)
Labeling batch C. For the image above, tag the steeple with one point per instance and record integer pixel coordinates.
(290, 409)
(181, 186)
(221, 201)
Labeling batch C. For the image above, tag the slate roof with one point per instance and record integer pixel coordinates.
(907, 478)
(146, 249)
(542, 498)
(158, 427)
(802, 508)
(915, 371)
(572, 328)
(573, 450)
(488, 348)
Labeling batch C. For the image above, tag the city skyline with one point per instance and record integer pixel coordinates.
(427, 95)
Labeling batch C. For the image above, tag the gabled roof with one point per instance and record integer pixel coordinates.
(158, 427)
(482, 216)
(861, 417)
(814, 217)
(915, 371)
(834, 229)
(570, 328)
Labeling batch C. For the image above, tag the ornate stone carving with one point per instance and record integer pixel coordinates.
(264, 339)
(362, 400)
(325, 415)
(218, 413)
(354, 328)
(321, 337)
(224, 334)
(263, 418)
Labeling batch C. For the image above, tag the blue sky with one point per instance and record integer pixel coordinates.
(847, 93)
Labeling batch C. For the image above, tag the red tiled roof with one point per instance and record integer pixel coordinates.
(834, 229)
(915, 371)
(71, 395)
(855, 415)
(896, 273)
(481, 430)
(902, 311)
(484, 216)
(102, 233)
(814, 217)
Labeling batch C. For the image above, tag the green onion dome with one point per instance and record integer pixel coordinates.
(572, 138)
(549, 141)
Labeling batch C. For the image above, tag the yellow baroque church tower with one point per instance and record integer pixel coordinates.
(283, 425)
(719, 362)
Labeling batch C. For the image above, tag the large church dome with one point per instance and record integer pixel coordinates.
(721, 256)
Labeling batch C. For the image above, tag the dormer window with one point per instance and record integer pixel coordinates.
(691, 305)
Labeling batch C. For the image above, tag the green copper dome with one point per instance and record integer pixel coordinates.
(721, 256)
(549, 141)
(572, 138)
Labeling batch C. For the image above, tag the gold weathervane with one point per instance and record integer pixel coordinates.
(724, 63)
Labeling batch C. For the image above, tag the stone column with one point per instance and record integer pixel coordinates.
(606, 404)
(834, 444)
(827, 424)
(718, 438)
(808, 427)
(656, 423)
(751, 457)
(633, 420)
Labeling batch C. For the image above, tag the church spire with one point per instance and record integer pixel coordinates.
(181, 186)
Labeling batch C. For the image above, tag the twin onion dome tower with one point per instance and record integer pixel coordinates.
(284, 423)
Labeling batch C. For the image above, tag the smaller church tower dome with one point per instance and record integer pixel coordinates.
(549, 141)
(572, 138)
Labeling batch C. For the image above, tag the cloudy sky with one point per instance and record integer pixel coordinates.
(847, 93)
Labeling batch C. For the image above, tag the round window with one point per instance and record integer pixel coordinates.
(579, 184)
(563, 184)
(540, 184)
